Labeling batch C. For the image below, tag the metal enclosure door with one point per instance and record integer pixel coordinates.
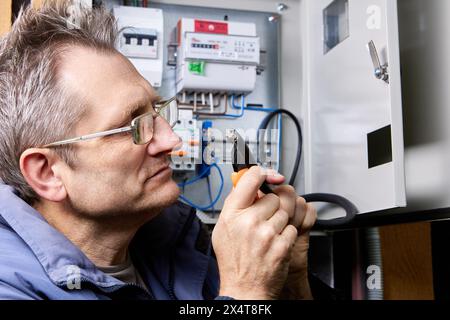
(354, 139)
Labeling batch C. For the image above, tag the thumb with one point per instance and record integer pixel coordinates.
(243, 196)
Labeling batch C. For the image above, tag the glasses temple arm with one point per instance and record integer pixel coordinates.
(89, 137)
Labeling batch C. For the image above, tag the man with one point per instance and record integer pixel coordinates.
(96, 217)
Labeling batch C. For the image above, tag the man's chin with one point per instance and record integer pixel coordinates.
(174, 193)
(167, 194)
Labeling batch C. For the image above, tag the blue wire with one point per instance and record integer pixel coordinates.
(215, 201)
(268, 110)
(242, 109)
(208, 181)
(198, 178)
(235, 116)
(184, 199)
(234, 106)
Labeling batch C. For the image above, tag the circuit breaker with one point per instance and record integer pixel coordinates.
(141, 40)
(188, 155)
(217, 56)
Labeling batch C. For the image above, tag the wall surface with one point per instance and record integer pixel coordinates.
(424, 45)
(5, 16)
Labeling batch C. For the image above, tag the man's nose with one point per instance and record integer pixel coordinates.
(164, 138)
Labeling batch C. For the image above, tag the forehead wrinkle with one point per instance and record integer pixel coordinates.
(138, 101)
(135, 106)
(147, 97)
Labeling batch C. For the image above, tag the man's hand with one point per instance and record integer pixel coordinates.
(302, 216)
(253, 241)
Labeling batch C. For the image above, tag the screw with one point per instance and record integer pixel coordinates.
(282, 7)
(378, 73)
(274, 18)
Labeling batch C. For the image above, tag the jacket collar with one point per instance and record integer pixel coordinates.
(57, 254)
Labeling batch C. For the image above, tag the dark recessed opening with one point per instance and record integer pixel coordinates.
(380, 147)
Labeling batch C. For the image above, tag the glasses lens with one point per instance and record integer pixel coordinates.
(170, 112)
(144, 129)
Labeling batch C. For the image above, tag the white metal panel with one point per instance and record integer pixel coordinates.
(346, 103)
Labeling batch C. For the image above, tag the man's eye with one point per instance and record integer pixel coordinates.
(140, 111)
(157, 105)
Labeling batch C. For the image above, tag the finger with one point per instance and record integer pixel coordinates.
(265, 208)
(273, 177)
(300, 212)
(288, 197)
(279, 221)
(310, 219)
(284, 243)
(260, 194)
(289, 235)
(243, 196)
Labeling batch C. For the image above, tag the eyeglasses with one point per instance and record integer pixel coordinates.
(141, 127)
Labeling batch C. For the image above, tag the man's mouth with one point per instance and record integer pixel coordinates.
(161, 172)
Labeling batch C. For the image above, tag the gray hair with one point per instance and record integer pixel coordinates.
(35, 108)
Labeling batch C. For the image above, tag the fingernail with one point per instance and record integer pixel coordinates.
(277, 175)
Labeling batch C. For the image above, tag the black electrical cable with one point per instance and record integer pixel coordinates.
(265, 124)
(350, 209)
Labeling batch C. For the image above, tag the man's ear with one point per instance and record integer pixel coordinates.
(40, 169)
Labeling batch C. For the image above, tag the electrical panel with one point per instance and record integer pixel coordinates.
(141, 40)
(341, 78)
(216, 56)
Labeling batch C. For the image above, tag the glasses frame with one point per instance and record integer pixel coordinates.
(156, 112)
